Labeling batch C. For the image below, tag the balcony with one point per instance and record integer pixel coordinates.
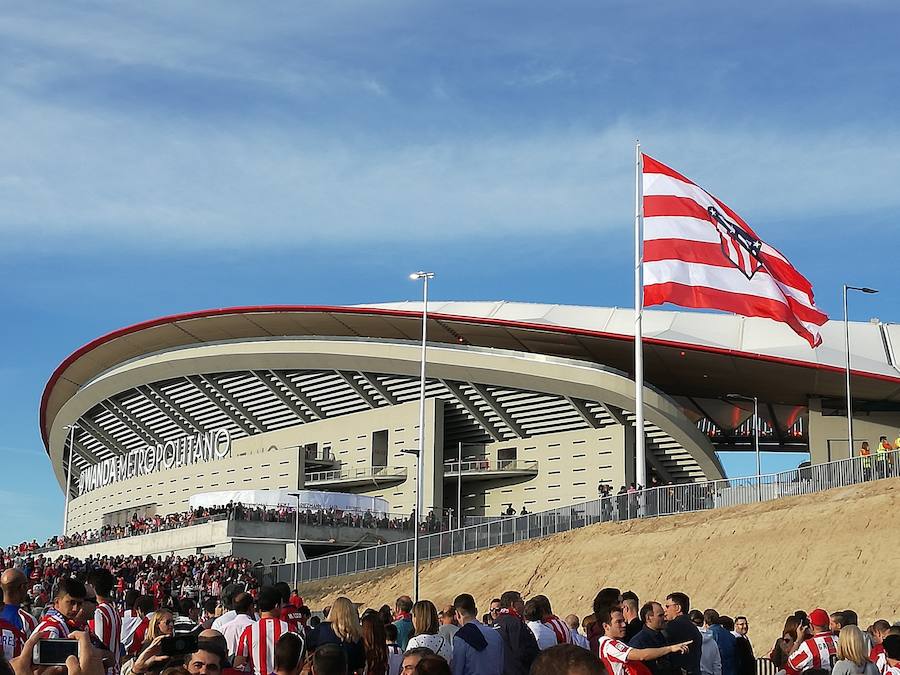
(322, 459)
(483, 469)
(355, 477)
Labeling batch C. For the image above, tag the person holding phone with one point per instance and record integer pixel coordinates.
(62, 618)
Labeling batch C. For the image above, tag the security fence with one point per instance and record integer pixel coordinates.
(647, 503)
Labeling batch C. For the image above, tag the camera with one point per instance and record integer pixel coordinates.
(179, 645)
(54, 652)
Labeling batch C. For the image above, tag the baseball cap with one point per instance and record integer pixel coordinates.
(819, 617)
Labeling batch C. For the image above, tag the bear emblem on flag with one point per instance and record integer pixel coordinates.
(738, 245)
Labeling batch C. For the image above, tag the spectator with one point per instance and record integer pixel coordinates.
(432, 665)
(614, 653)
(106, 622)
(577, 638)
(342, 628)
(852, 655)
(633, 623)
(710, 657)
(290, 612)
(144, 608)
(15, 590)
(411, 659)
(209, 659)
(520, 647)
(209, 613)
(880, 630)
(477, 649)
(448, 627)
(892, 654)
(567, 660)
(543, 634)
(395, 654)
(650, 636)
(493, 612)
(244, 617)
(425, 631)
(289, 654)
(375, 645)
(59, 621)
(813, 651)
(229, 593)
(260, 637)
(403, 620)
(330, 659)
(837, 620)
(744, 660)
(679, 628)
(553, 622)
(725, 641)
(605, 598)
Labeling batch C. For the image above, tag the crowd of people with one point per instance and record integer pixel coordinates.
(202, 615)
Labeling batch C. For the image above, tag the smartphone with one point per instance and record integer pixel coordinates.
(179, 645)
(54, 652)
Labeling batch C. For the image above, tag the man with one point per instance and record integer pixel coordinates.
(107, 625)
(477, 649)
(61, 619)
(209, 659)
(243, 605)
(543, 634)
(15, 589)
(814, 651)
(679, 628)
(710, 659)
(633, 622)
(494, 611)
(605, 598)
(259, 638)
(836, 621)
(411, 659)
(290, 612)
(577, 638)
(744, 659)
(567, 660)
(880, 629)
(553, 622)
(209, 613)
(520, 647)
(724, 640)
(403, 620)
(330, 659)
(130, 617)
(228, 595)
(144, 609)
(892, 654)
(448, 627)
(653, 618)
(614, 653)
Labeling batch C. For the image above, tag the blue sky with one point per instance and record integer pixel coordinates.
(164, 157)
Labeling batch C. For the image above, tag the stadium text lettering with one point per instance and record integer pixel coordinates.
(184, 451)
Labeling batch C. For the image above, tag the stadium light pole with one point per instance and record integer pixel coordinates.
(861, 289)
(424, 276)
(755, 439)
(295, 577)
(71, 428)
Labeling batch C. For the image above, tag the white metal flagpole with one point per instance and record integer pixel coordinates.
(640, 460)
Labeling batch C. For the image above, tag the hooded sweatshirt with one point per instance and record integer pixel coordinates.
(477, 650)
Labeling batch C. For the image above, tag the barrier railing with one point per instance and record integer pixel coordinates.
(351, 474)
(484, 465)
(647, 503)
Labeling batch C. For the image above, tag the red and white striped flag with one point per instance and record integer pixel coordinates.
(700, 253)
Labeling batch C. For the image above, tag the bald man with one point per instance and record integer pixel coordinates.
(15, 590)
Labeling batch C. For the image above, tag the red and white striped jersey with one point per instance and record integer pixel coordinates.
(613, 653)
(11, 639)
(29, 623)
(52, 628)
(891, 670)
(815, 652)
(107, 626)
(257, 644)
(560, 629)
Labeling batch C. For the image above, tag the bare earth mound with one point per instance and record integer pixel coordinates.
(834, 549)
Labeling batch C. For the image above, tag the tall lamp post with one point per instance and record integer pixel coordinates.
(71, 428)
(424, 276)
(861, 289)
(755, 439)
(295, 576)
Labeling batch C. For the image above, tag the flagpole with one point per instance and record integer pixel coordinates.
(640, 459)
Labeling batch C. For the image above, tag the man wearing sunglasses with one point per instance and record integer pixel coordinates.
(490, 618)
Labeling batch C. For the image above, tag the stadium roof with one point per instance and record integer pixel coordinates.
(686, 353)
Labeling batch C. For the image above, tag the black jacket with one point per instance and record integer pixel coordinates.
(520, 648)
(324, 634)
(633, 627)
(680, 629)
(744, 659)
(651, 639)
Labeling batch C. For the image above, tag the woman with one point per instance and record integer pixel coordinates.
(853, 658)
(785, 644)
(425, 631)
(342, 628)
(375, 644)
(162, 623)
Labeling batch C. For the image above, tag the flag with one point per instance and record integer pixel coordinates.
(700, 253)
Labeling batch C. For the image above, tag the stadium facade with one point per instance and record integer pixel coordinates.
(527, 405)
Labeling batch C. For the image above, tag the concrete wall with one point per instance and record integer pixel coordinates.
(828, 433)
(206, 538)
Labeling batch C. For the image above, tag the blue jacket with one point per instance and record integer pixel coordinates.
(477, 650)
(726, 642)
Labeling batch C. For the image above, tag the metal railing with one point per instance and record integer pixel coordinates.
(373, 472)
(647, 503)
(485, 465)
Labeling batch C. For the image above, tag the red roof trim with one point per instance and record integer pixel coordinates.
(381, 311)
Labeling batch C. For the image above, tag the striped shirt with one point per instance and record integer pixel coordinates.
(107, 625)
(29, 623)
(11, 639)
(815, 652)
(53, 628)
(613, 653)
(257, 644)
(560, 630)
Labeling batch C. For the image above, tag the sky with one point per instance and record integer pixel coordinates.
(166, 157)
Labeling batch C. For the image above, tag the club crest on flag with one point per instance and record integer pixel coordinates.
(738, 245)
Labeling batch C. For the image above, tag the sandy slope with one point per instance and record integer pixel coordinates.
(835, 549)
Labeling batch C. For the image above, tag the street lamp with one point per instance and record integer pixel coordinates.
(755, 439)
(862, 289)
(418, 455)
(295, 575)
(71, 428)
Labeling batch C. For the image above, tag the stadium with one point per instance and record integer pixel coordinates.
(528, 407)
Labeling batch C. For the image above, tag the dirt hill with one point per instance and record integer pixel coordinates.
(834, 549)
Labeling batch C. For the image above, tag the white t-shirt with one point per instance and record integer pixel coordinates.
(544, 635)
(613, 653)
(233, 630)
(435, 643)
(224, 620)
